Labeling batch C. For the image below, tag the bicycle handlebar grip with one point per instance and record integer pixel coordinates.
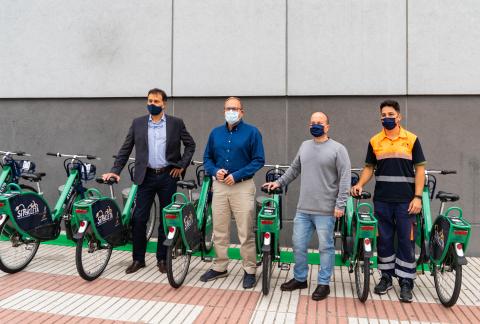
(54, 154)
(110, 181)
(449, 172)
(20, 153)
(275, 191)
(114, 156)
(91, 157)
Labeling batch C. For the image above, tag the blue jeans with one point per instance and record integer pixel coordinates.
(303, 226)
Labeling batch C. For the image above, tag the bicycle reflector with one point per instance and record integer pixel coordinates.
(266, 222)
(266, 235)
(82, 223)
(2, 204)
(366, 228)
(171, 229)
(80, 211)
(457, 232)
(170, 216)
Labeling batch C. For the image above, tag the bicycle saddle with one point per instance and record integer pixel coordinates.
(364, 195)
(35, 177)
(276, 191)
(447, 196)
(187, 184)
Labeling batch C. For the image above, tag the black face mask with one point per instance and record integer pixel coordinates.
(317, 130)
(154, 110)
(389, 123)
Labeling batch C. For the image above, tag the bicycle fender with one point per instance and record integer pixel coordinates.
(170, 236)
(266, 248)
(3, 219)
(461, 259)
(81, 230)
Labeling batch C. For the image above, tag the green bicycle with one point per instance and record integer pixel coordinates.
(442, 244)
(103, 226)
(269, 224)
(26, 219)
(188, 226)
(357, 230)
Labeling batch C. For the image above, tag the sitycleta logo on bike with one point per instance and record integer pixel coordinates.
(104, 216)
(24, 212)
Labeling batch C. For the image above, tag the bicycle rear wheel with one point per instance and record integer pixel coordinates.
(15, 253)
(91, 257)
(266, 272)
(178, 261)
(448, 279)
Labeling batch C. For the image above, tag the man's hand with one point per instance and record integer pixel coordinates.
(356, 190)
(271, 185)
(109, 175)
(229, 180)
(221, 174)
(415, 206)
(338, 213)
(176, 172)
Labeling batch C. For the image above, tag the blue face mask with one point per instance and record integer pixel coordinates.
(389, 123)
(154, 110)
(317, 130)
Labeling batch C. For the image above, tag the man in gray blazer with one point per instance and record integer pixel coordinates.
(159, 163)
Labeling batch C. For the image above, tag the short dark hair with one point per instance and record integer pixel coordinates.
(390, 103)
(158, 91)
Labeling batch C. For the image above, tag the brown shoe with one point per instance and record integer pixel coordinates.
(162, 266)
(293, 284)
(135, 266)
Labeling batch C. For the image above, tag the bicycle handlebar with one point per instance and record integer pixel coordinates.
(277, 166)
(110, 181)
(74, 156)
(130, 158)
(18, 153)
(440, 172)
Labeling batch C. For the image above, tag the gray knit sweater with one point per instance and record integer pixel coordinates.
(325, 177)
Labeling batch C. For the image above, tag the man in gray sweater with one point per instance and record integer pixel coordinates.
(324, 167)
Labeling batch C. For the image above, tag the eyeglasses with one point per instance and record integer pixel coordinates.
(232, 109)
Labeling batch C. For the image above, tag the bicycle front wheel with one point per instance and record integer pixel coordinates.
(15, 252)
(207, 230)
(91, 257)
(178, 261)
(362, 278)
(266, 272)
(448, 279)
(152, 220)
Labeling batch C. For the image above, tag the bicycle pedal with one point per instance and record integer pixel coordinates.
(284, 266)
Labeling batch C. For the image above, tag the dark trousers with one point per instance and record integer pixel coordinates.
(164, 186)
(394, 218)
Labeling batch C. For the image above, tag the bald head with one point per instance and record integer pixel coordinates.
(319, 118)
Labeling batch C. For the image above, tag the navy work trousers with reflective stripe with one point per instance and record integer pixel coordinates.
(394, 218)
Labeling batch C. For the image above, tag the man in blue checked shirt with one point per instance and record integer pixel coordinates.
(233, 154)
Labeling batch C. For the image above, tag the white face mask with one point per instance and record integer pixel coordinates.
(232, 116)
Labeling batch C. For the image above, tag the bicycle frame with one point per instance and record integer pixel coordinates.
(174, 219)
(268, 225)
(459, 229)
(84, 213)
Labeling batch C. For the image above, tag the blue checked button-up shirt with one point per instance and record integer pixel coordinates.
(239, 151)
(157, 143)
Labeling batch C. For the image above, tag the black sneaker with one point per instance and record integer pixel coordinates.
(383, 286)
(249, 280)
(293, 284)
(212, 275)
(406, 292)
(321, 292)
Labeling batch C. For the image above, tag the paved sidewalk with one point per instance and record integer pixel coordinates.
(50, 291)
